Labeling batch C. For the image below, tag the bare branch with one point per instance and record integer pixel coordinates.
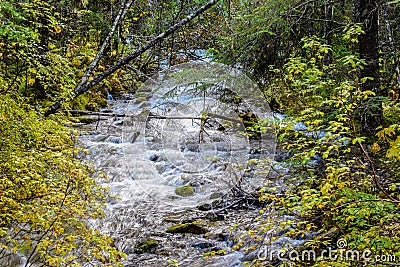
(92, 66)
(80, 89)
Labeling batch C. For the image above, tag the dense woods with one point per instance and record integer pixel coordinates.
(332, 65)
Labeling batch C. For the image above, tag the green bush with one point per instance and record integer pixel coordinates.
(46, 194)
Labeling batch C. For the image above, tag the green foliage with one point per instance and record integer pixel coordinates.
(47, 195)
(254, 34)
(12, 30)
(336, 190)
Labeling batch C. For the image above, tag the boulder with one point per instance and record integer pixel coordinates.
(192, 228)
(185, 191)
(146, 246)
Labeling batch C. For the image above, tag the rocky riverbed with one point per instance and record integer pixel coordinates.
(185, 173)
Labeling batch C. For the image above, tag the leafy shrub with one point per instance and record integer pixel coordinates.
(47, 196)
(340, 186)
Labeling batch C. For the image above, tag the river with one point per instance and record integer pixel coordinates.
(184, 128)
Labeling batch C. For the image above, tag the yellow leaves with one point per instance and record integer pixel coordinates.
(252, 233)
(76, 62)
(327, 188)
(101, 67)
(310, 226)
(358, 140)
(385, 133)
(394, 150)
(140, 15)
(31, 81)
(375, 148)
(80, 74)
(350, 218)
(38, 155)
(57, 29)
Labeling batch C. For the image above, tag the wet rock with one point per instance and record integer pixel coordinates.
(114, 139)
(203, 245)
(214, 217)
(134, 136)
(144, 104)
(112, 201)
(84, 119)
(192, 228)
(218, 250)
(154, 157)
(119, 123)
(163, 253)
(219, 236)
(146, 246)
(252, 255)
(185, 191)
(216, 195)
(142, 94)
(173, 219)
(100, 138)
(204, 206)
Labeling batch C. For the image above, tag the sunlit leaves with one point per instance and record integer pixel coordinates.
(334, 185)
(47, 195)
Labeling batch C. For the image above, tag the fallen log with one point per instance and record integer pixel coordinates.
(83, 87)
(151, 115)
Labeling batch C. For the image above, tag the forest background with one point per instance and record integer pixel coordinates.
(331, 64)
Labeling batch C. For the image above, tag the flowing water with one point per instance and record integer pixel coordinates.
(176, 135)
(188, 127)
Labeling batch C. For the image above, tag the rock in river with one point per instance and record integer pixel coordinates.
(185, 191)
(193, 228)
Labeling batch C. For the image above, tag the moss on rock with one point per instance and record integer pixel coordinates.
(146, 246)
(185, 191)
(193, 228)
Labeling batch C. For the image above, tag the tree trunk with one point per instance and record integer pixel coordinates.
(83, 87)
(328, 31)
(366, 14)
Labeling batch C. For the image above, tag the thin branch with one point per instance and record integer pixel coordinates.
(152, 116)
(372, 165)
(92, 66)
(82, 88)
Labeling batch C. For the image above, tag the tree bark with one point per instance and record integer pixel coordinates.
(391, 45)
(328, 31)
(366, 14)
(81, 88)
(121, 14)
